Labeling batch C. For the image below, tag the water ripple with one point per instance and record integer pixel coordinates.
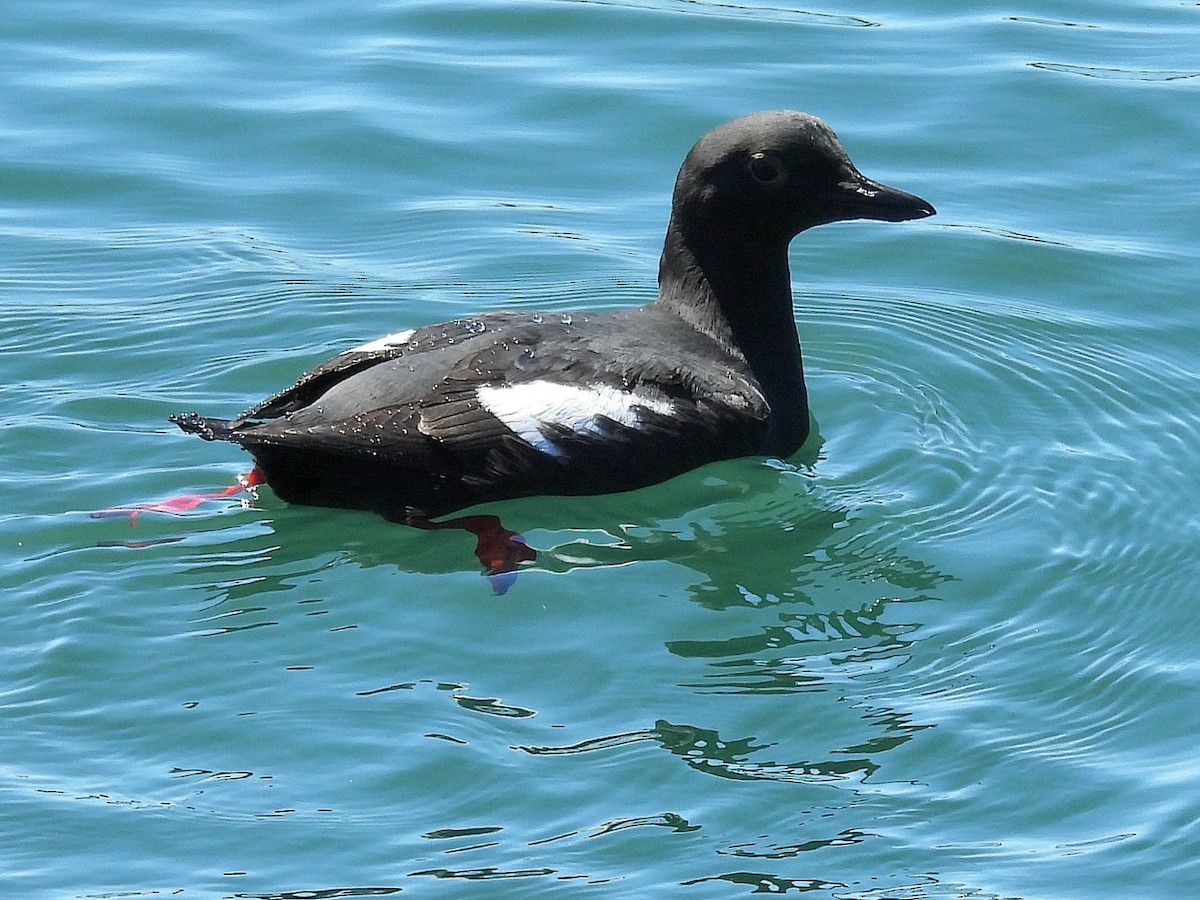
(736, 10)
(1117, 74)
(997, 412)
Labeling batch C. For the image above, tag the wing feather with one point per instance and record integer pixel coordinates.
(418, 405)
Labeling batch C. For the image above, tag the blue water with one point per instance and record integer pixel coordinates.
(949, 650)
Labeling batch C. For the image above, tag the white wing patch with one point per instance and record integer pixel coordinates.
(528, 408)
(387, 342)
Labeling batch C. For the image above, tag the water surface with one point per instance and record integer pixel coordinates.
(946, 651)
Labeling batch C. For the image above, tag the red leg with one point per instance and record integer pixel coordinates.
(500, 551)
(184, 502)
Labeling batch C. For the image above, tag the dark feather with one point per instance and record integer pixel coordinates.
(431, 421)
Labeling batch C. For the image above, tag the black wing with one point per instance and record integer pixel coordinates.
(425, 344)
(514, 404)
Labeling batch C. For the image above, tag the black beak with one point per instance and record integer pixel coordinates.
(858, 197)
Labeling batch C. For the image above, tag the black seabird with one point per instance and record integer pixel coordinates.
(510, 404)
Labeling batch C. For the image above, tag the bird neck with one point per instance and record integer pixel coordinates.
(741, 297)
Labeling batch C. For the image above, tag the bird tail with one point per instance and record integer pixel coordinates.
(209, 429)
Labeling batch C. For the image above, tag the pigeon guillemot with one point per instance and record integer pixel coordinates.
(508, 404)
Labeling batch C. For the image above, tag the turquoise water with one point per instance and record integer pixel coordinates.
(947, 651)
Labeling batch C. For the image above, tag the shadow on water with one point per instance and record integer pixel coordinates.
(798, 590)
(755, 534)
(817, 581)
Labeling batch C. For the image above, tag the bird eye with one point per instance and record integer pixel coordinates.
(766, 168)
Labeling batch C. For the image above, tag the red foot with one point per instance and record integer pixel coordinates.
(184, 502)
(501, 551)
